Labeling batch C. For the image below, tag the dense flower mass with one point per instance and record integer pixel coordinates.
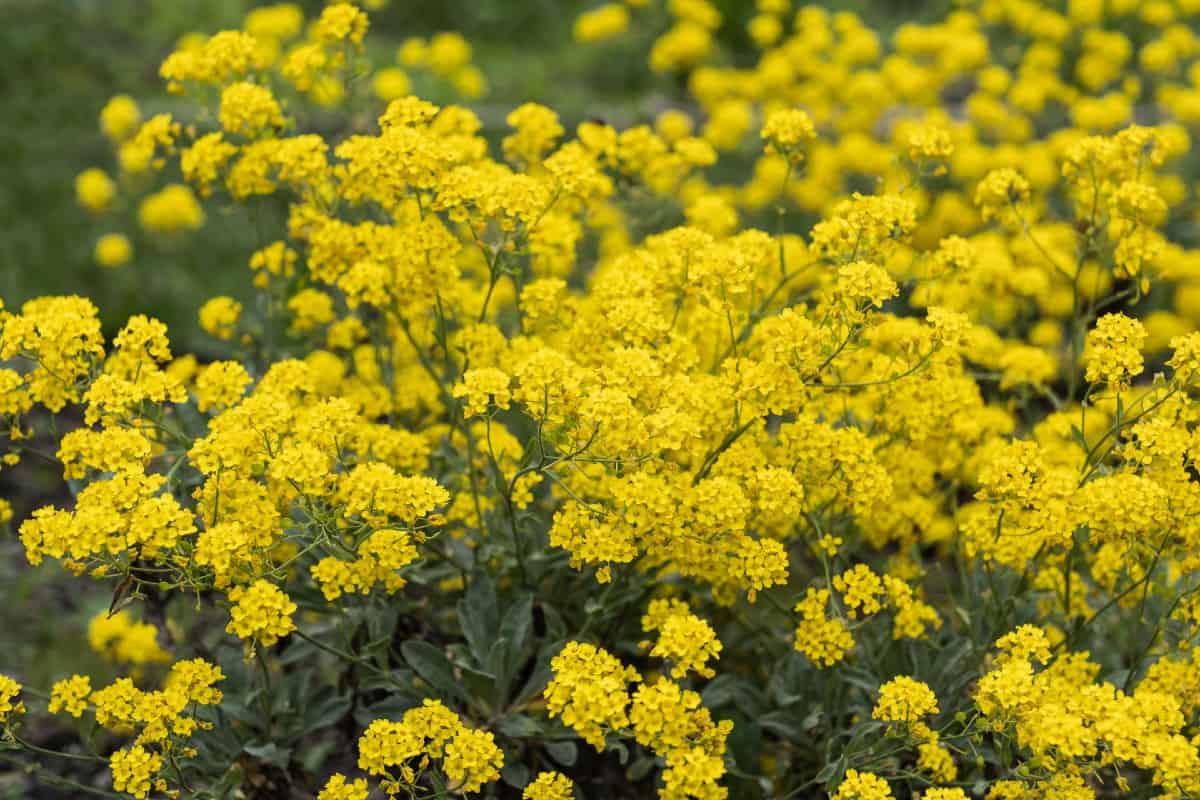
(832, 434)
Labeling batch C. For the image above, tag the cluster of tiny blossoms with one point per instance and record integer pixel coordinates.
(869, 471)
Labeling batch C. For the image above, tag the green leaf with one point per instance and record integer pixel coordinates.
(515, 628)
(381, 624)
(478, 618)
(1079, 438)
(564, 752)
(784, 724)
(515, 774)
(313, 757)
(861, 679)
(269, 753)
(329, 712)
(233, 778)
(247, 711)
(518, 619)
(640, 768)
(556, 626)
(519, 727)
(497, 658)
(399, 679)
(432, 665)
(827, 772)
(719, 691)
(791, 684)
(470, 670)
(745, 742)
(541, 675)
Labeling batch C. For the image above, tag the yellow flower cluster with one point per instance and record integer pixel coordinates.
(787, 131)
(173, 209)
(590, 691)
(469, 757)
(1062, 714)
(70, 695)
(1114, 350)
(113, 250)
(121, 638)
(904, 700)
(134, 770)
(120, 117)
(601, 23)
(549, 786)
(380, 557)
(337, 788)
(261, 612)
(164, 719)
(863, 786)
(10, 690)
(248, 110)
(684, 639)
(823, 640)
(95, 190)
(446, 56)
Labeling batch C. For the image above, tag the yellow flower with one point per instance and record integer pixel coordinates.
(118, 636)
(390, 83)
(999, 191)
(113, 250)
(171, 210)
(95, 190)
(536, 130)
(483, 388)
(588, 691)
(904, 700)
(340, 22)
(687, 641)
(600, 24)
(219, 316)
(221, 383)
(861, 590)
(1113, 354)
(70, 695)
(133, 770)
(249, 110)
(953, 793)
(472, 759)
(862, 786)
(549, 786)
(120, 117)
(788, 132)
(447, 53)
(338, 788)
(930, 143)
(824, 641)
(261, 612)
(10, 690)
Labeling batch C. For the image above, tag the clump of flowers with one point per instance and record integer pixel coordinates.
(760, 462)
(469, 757)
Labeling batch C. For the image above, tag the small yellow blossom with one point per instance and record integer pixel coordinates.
(261, 612)
(70, 695)
(113, 250)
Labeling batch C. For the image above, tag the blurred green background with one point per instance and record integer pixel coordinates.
(64, 58)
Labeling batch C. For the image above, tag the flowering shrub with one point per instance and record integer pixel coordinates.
(557, 468)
